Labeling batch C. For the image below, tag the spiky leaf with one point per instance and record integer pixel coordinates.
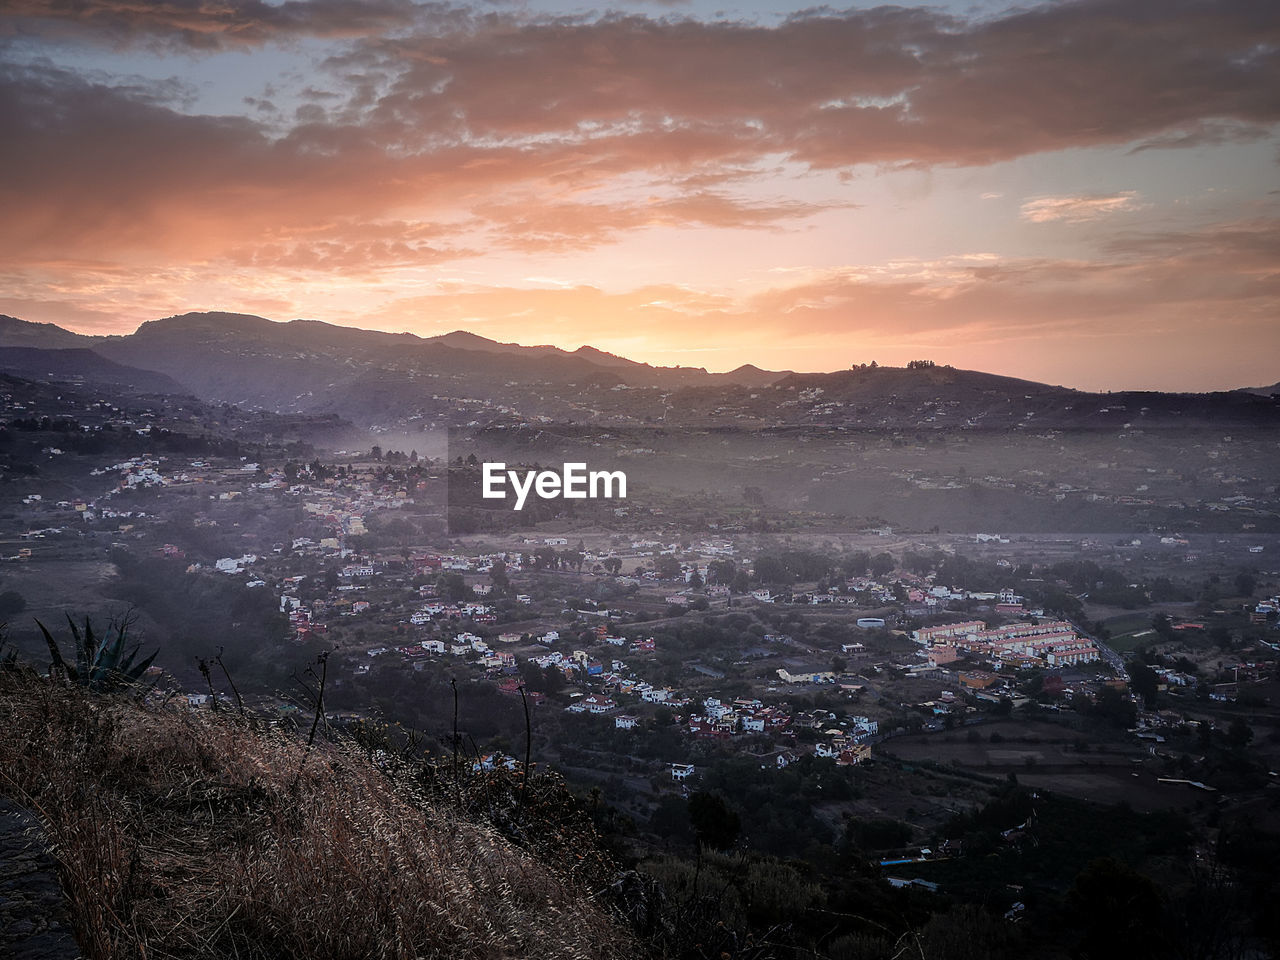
(56, 655)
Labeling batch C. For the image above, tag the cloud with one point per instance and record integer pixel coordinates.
(1160, 285)
(436, 131)
(1078, 209)
(890, 85)
(1172, 309)
(1239, 246)
(1203, 133)
(478, 108)
(92, 168)
(566, 225)
(201, 25)
(354, 249)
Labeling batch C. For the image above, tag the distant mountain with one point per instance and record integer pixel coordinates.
(749, 375)
(306, 365)
(1261, 391)
(404, 381)
(43, 336)
(245, 358)
(606, 359)
(79, 365)
(462, 340)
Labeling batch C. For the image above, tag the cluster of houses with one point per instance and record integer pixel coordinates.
(605, 682)
(1265, 610)
(720, 720)
(1020, 645)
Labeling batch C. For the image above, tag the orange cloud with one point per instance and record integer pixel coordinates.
(463, 113)
(440, 137)
(1078, 209)
(1004, 310)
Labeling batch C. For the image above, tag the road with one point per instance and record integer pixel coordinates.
(1109, 656)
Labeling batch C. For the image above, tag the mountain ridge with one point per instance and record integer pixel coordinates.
(18, 332)
(383, 379)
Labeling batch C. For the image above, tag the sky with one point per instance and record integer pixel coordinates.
(1084, 193)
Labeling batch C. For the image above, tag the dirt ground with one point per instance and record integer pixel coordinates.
(1045, 755)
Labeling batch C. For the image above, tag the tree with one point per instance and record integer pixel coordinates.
(1144, 681)
(714, 825)
(1239, 734)
(1115, 708)
(771, 570)
(670, 818)
(552, 679)
(856, 564)
(532, 676)
(721, 571)
(667, 567)
(1118, 912)
(451, 587)
(1246, 583)
(498, 576)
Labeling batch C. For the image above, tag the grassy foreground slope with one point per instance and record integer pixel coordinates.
(190, 834)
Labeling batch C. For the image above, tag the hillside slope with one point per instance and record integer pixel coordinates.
(80, 365)
(184, 833)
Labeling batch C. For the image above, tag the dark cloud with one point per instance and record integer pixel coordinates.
(514, 119)
(1244, 245)
(89, 167)
(883, 86)
(888, 85)
(209, 26)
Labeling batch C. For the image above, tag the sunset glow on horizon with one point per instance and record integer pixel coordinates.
(1082, 193)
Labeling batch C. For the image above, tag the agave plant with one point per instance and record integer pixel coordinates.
(101, 663)
(9, 657)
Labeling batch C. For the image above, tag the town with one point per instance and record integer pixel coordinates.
(875, 687)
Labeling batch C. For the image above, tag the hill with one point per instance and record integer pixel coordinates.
(309, 366)
(402, 382)
(1261, 391)
(43, 336)
(196, 834)
(83, 366)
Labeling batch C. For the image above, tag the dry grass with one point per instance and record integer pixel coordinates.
(185, 834)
